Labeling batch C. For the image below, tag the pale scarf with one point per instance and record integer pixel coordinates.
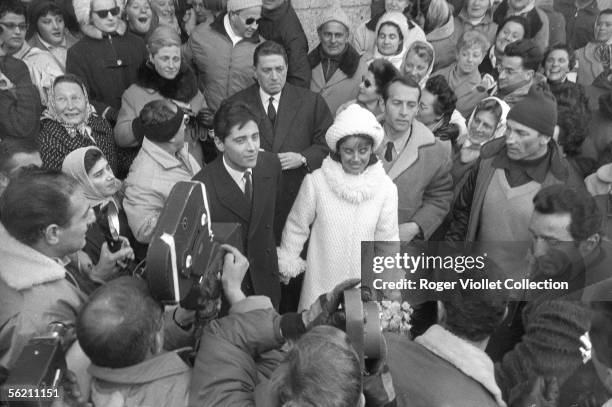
(73, 130)
(399, 20)
(423, 80)
(470, 150)
(74, 165)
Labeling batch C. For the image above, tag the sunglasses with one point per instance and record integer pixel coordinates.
(251, 20)
(366, 82)
(104, 13)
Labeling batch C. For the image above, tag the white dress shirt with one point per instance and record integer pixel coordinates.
(265, 99)
(238, 176)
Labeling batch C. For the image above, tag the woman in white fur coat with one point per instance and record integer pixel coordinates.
(348, 200)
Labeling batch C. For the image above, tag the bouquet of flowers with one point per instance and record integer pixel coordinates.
(395, 316)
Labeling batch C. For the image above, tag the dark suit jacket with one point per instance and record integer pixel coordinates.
(302, 120)
(228, 204)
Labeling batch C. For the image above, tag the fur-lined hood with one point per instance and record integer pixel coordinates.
(354, 188)
(182, 88)
(349, 61)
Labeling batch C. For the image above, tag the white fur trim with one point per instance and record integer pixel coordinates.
(82, 10)
(354, 119)
(289, 266)
(354, 188)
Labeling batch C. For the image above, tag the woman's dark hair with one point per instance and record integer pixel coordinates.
(92, 156)
(516, 19)
(12, 6)
(383, 71)
(446, 100)
(335, 155)
(571, 96)
(570, 53)
(39, 10)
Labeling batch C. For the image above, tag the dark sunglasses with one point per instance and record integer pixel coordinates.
(366, 82)
(251, 20)
(104, 13)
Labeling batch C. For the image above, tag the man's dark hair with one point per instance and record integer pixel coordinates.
(117, 326)
(605, 11)
(157, 112)
(383, 72)
(40, 9)
(586, 219)
(34, 199)
(230, 114)
(474, 316)
(570, 53)
(11, 146)
(322, 370)
(528, 51)
(269, 48)
(92, 156)
(12, 6)
(515, 19)
(405, 80)
(446, 100)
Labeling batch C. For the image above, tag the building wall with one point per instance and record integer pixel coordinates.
(309, 12)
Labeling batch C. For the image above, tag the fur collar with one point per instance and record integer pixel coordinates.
(472, 361)
(182, 88)
(354, 188)
(349, 62)
(23, 267)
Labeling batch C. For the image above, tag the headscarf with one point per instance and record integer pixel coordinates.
(73, 130)
(399, 20)
(74, 165)
(423, 81)
(469, 150)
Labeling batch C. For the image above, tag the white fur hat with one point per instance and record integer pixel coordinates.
(236, 5)
(352, 121)
(82, 9)
(334, 13)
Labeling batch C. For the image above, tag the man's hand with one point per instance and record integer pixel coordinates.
(71, 396)
(290, 161)
(408, 231)
(235, 266)
(5, 83)
(206, 117)
(110, 263)
(323, 311)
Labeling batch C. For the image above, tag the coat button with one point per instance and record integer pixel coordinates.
(119, 62)
(268, 227)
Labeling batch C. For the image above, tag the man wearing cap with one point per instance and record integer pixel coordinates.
(292, 124)
(222, 52)
(280, 23)
(336, 66)
(162, 161)
(495, 203)
(518, 71)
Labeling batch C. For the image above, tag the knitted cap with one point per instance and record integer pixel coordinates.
(334, 13)
(82, 9)
(538, 110)
(352, 121)
(236, 5)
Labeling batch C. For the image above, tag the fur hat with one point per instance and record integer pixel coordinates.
(352, 121)
(82, 10)
(334, 13)
(236, 5)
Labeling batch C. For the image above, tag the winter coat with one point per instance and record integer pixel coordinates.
(222, 67)
(440, 369)
(538, 23)
(337, 211)
(599, 136)
(422, 175)
(343, 84)
(556, 22)
(283, 26)
(20, 105)
(443, 43)
(37, 42)
(151, 86)
(589, 67)
(487, 26)
(43, 67)
(468, 205)
(469, 90)
(55, 142)
(108, 66)
(33, 293)
(364, 37)
(579, 23)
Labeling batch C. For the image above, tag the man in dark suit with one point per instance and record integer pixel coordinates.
(292, 123)
(241, 185)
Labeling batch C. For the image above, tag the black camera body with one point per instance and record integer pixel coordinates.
(363, 327)
(107, 218)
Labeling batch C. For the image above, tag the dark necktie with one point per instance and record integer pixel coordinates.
(248, 186)
(389, 152)
(271, 110)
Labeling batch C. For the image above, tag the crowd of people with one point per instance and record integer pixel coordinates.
(459, 121)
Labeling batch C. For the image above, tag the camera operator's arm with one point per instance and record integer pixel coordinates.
(110, 263)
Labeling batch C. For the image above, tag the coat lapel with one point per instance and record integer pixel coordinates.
(266, 131)
(421, 136)
(230, 195)
(261, 188)
(290, 103)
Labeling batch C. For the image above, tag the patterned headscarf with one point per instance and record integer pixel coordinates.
(52, 113)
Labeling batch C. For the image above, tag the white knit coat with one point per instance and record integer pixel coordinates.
(343, 210)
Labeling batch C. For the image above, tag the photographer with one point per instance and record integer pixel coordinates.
(44, 219)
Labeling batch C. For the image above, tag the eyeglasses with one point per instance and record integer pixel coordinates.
(104, 13)
(14, 26)
(366, 82)
(251, 20)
